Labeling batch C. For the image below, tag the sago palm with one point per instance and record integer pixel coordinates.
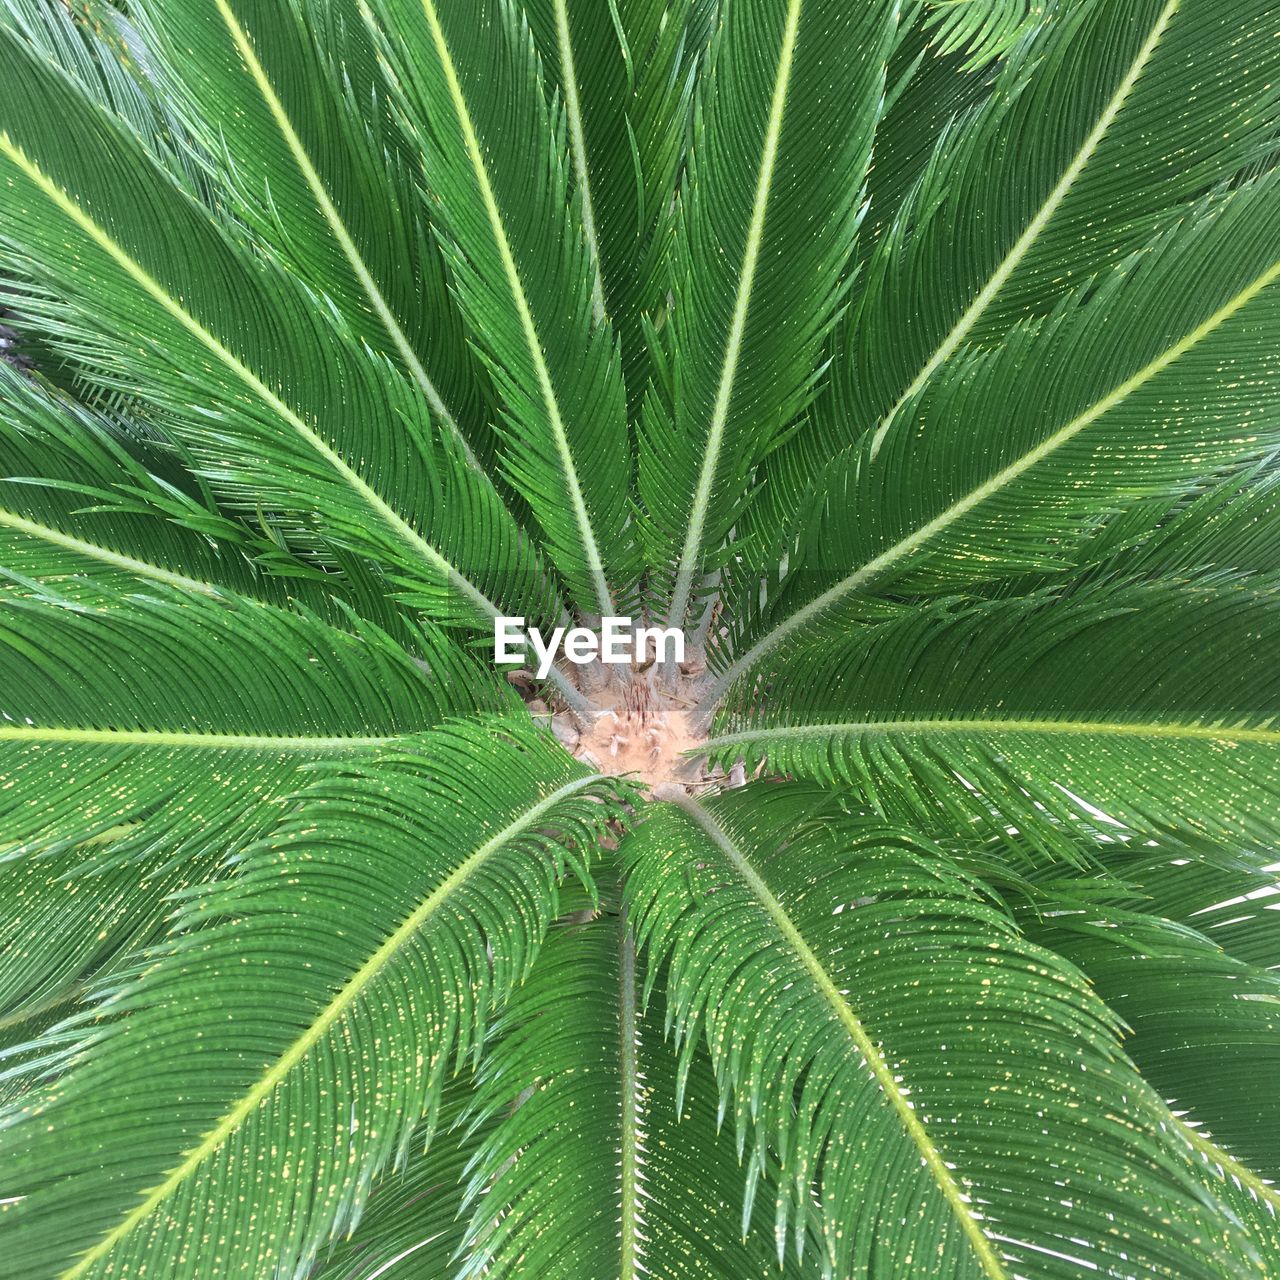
(918, 364)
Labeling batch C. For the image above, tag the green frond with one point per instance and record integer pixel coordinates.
(625, 73)
(144, 741)
(1204, 1028)
(28, 1050)
(1226, 894)
(80, 509)
(581, 1090)
(281, 408)
(1225, 529)
(497, 168)
(982, 29)
(1201, 1024)
(1074, 426)
(1085, 148)
(426, 879)
(413, 1215)
(95, 44)
(1234, 906)
(1148, 704)
(928, 96)
(896, 1041)
(287, 105)
(1254, 1201)
(766, 224)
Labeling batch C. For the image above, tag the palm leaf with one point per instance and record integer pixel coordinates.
(496, 165)
(582, 1091)
(1075, 425)
(1201, 1024)
(100, 49)
(766, 224)
(867, 1008)
(413, 869)
(1225, 528)
(414, 1213)
(984, 29)
(313, 165)
(172, 299)
(1049, 184)
(928, 96)
(625, 74)
(1204, 1028)
(80, 507)
(1234, 907)
(123, 783)
(1035, 713)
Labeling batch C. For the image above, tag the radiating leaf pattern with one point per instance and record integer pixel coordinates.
(918, 360)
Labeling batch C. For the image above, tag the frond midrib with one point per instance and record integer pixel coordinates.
(34, 735)
(1160, 729)
(331, 1014)
(991, 1263)
(92, 551)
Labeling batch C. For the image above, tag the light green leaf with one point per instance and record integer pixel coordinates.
(265, 386)
(1147, 703)
(1075, 426)
(126, 776)
(588, 1134)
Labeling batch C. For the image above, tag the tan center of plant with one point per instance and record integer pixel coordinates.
(640, 729)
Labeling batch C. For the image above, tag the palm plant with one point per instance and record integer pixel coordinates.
(919, 362)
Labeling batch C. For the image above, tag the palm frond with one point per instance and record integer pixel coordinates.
(414, 1212)
(1145, 703)
(300, 135)
(1226, 527)
(496, 164)
(625, 73)
(79, 507)
(1204, 1027)
(293, 417)
(428, 878)
(1235, 907)
(1201, 1023)
(581, 1090)
(768, 214)
(982, 29)
(867, 1008)
(928, 96)
(100, 49)
(1084, 150)
(123, 780)
(1075, 426)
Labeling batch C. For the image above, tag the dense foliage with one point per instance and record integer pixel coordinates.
(920, 361)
